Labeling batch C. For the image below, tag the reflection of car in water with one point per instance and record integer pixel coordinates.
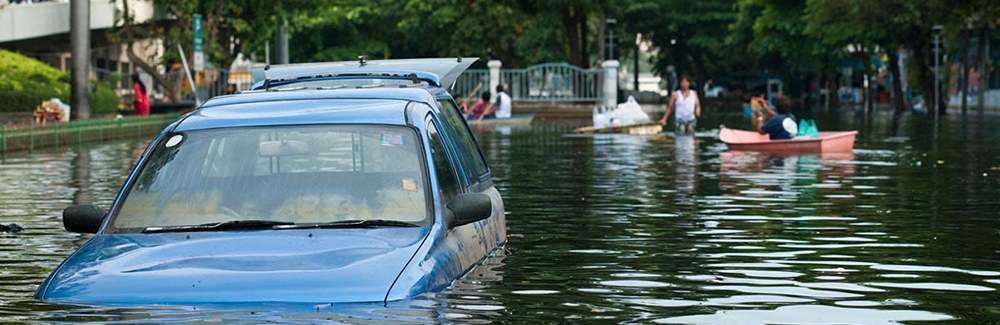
(301, 192)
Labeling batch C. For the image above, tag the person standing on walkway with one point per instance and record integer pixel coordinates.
(688, 108)
(140, 105)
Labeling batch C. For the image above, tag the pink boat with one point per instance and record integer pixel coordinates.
(830, 141)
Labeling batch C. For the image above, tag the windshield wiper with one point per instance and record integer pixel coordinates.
(228, 225)
(374, 223)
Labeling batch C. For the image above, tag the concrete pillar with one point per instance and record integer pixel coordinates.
(495, 66)
(79, 35)
(610, 82)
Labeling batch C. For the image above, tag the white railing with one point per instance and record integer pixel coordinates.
(549, 82)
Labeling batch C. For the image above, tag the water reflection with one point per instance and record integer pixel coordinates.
(626, 229)
(804, 239)
(686, 155)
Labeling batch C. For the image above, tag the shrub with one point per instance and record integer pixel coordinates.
(26, 100)
(104, 100)
(26, 82)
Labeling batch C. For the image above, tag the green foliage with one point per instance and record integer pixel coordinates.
(104, 100)
(343, 30)
(705, 38)
(520, 33)
(690, 35)
(26, 82)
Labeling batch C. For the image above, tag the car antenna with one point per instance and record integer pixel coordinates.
(267, 80)
(362, 59)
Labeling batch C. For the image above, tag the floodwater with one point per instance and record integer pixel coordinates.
(637, 229)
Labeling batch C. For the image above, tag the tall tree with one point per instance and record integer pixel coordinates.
(688, 35)
(233, 26)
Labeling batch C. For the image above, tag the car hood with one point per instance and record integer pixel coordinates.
(317, 265)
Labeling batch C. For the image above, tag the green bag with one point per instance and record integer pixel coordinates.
(808, 129)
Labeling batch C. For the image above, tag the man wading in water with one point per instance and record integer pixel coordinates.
(688, 108)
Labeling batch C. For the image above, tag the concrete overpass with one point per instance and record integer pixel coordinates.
(41, 30)
(40, 19)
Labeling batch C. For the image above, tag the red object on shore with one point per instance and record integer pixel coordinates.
(829, 141)
(141, 104)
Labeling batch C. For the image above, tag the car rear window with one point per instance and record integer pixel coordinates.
(302, 174)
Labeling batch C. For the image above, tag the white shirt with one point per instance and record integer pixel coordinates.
(684, 106)
(790, 126)
(504, 106)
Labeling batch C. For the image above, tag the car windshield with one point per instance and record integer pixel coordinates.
(283, 174)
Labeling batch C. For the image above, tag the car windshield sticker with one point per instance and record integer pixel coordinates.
(409, 184)
(174, 140)
(393, 139)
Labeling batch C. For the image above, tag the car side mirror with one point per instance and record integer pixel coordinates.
(468, 208)
(84, 219)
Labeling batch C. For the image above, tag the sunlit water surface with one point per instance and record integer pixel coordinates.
(636, 229)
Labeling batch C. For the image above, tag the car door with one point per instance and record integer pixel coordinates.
(474, 175)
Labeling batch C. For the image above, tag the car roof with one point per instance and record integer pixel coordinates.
(439, 72)
(308, 106)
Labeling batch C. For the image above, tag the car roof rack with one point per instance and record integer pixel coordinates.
(413, 77)
(438, 72)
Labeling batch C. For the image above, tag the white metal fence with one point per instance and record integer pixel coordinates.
(549, 82)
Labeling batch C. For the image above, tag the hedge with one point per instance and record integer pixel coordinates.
(26, 82)
(104, 100)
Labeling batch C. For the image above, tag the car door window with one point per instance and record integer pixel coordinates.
(468, 147)
(448, 185)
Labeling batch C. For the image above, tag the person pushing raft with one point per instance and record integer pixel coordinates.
(688, 108)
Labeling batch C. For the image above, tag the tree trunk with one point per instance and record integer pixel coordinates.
(829, 89)
(172, 93)
(700, 75)
(983, 55)
(581, 18)
(923, 70)
(866, 83)
(964, 75)
(569, 18)
(602, 37)
(898, 99)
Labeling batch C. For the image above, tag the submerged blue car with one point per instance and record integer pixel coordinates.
(328, 183)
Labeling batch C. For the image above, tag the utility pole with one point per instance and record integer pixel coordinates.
(79, 35)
